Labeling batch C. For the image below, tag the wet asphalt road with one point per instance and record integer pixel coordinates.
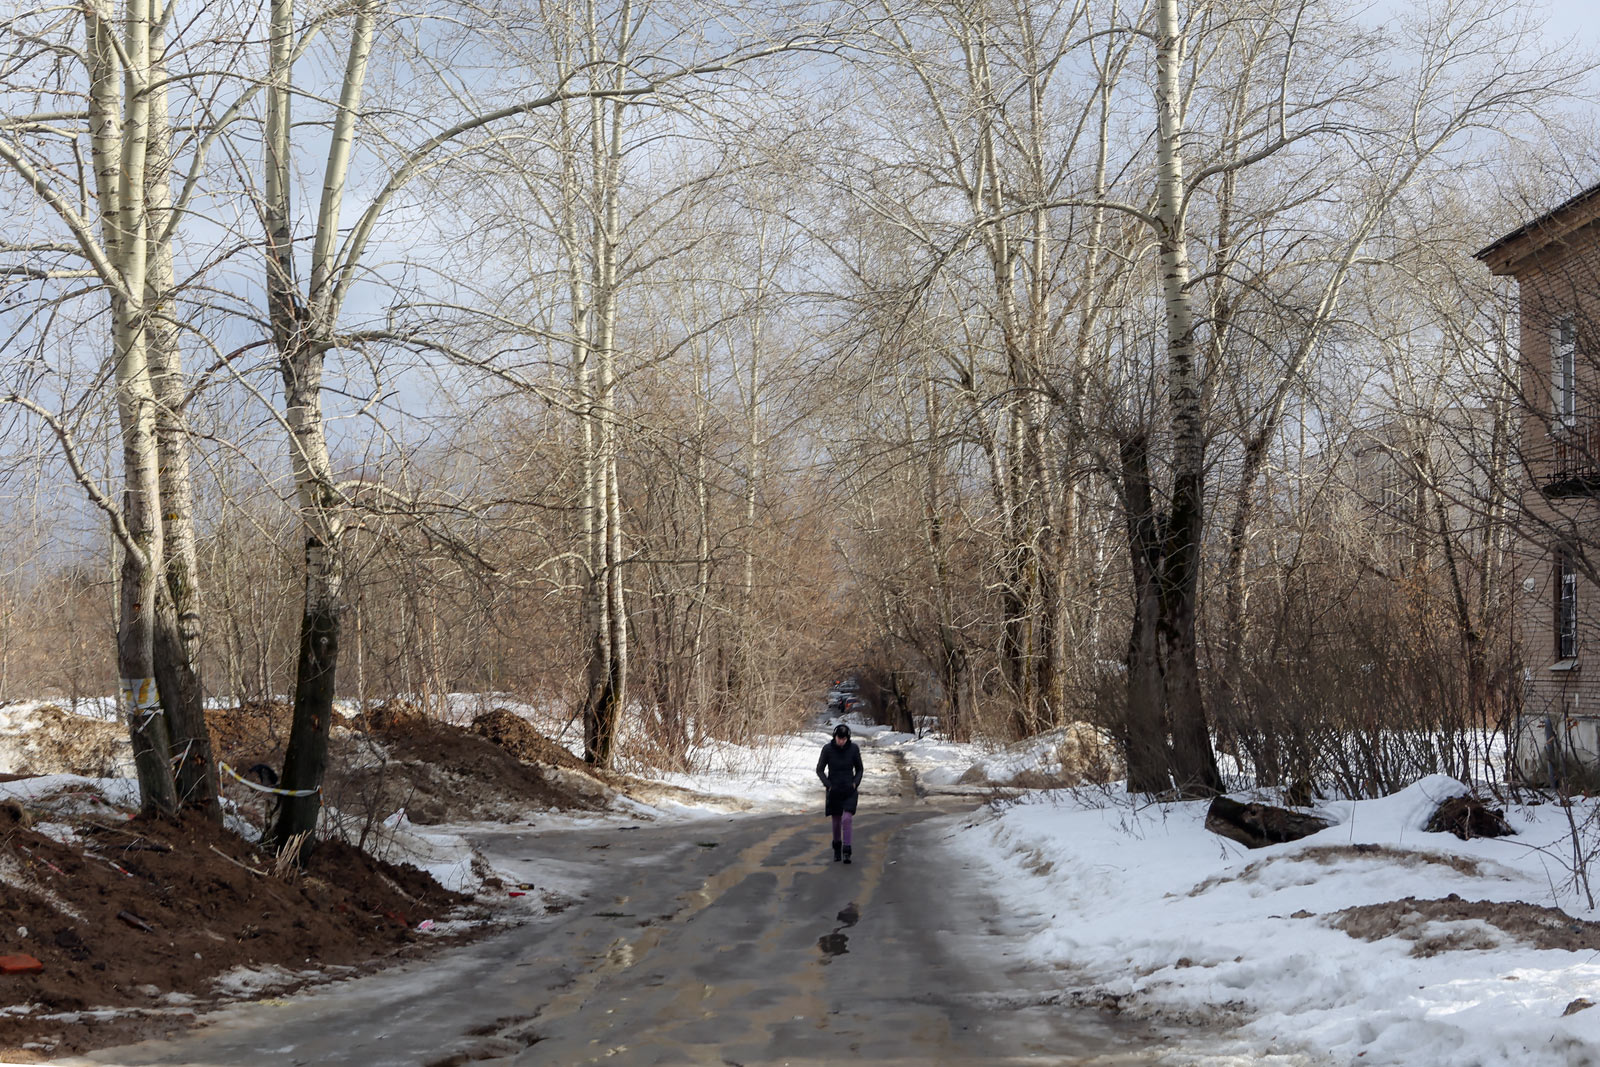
(759, 950)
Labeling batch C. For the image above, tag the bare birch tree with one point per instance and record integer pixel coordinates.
(116, 210)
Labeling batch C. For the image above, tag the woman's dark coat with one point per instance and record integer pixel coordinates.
(840, 771)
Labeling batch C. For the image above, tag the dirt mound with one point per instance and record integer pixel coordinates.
(442, 773)
(1453, 924)
(129, 914)
(517, 736)
(397, 757)
(44, 739)
(390, 714)
(250, 733)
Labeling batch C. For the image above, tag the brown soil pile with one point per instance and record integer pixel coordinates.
(442, 773)
(1426, 923)
(391, 713)
(517, 736)
(396, 756)
(135, 912)
(250, 733)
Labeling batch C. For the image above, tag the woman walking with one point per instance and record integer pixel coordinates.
(840, 769)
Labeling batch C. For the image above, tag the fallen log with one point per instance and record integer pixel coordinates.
(1257, 825)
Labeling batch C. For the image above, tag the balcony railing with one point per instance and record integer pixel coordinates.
(1573, 468)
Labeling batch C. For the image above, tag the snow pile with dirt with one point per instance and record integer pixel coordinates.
(1347, 944)
(935, 761)
(446, 856)
(39, 737)
(124, 918)
(1071, 755)
(74, 794)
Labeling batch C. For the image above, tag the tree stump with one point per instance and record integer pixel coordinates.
(1259, 825)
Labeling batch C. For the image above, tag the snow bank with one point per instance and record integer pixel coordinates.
(935, 761)
(779, 773)
(1164, 919)
(74, 794)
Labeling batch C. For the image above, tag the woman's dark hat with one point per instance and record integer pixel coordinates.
(841, 730)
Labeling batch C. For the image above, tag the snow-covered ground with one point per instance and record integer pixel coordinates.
(1147, 911)
(778, 774)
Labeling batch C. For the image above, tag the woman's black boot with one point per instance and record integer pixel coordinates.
(847, 853)
(836, 850)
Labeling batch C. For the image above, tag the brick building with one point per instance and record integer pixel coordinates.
(1556, 261)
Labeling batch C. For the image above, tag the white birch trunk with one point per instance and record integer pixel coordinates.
(608, 670)
(119, 132)
(177, 650)
(1194, 763)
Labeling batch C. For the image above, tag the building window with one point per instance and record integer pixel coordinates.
(1564, 370)
(1566, 606)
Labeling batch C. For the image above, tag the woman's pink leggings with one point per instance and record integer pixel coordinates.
(841, 828)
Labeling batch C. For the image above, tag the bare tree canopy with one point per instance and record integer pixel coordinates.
(660, 361)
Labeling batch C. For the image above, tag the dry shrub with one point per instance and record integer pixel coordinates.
(1361, 699)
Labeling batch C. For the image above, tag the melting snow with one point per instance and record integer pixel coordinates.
(1163, 919)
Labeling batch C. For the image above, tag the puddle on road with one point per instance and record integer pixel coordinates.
(837, 943)
(834, 944)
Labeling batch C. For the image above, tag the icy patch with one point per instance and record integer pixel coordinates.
(252, 981)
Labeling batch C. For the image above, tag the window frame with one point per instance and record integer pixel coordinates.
(1566, 606)
(1564, 370)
